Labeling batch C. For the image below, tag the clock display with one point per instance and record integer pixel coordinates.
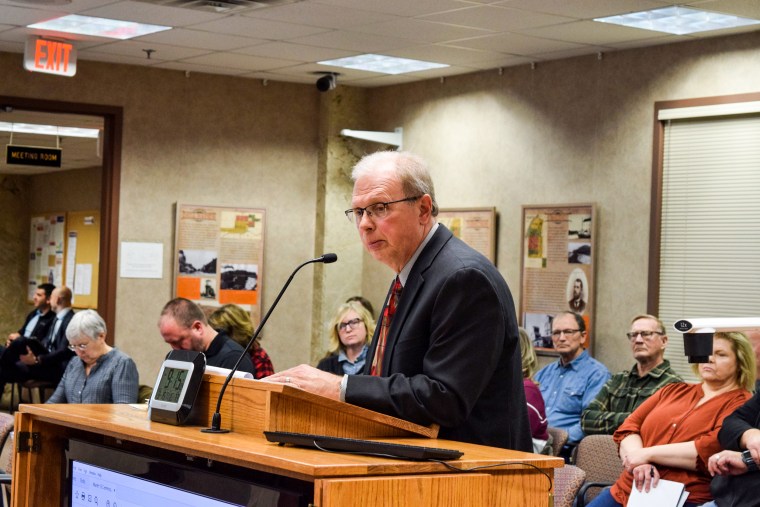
(170, 386)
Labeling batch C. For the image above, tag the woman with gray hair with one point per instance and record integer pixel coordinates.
(99, 373)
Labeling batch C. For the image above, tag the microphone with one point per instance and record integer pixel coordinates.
(216, 419)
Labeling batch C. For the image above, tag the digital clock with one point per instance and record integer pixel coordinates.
(177, 386)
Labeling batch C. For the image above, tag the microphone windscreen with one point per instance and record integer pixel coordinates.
(329, 257)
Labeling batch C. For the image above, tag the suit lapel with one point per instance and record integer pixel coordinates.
(414, 285)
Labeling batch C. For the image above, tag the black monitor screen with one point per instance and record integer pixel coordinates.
(104, 476)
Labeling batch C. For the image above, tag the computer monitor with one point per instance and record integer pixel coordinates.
(109, 476)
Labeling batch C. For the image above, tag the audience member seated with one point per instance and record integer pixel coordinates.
(236, 323)
(735, 470)
(351, 330)
(569, 384)
(675, 431)
(38, 322)
(536, 408)
(45, 359)
(628, 389)
(184, 326)
(100, 373)
(365, 303)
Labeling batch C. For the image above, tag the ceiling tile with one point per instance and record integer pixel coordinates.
(421, 30)
(499, 19)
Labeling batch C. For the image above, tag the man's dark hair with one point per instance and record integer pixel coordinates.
(578, 319)
(48, 288)
(184, 311)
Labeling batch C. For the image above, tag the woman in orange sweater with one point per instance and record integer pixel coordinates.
(673, 433)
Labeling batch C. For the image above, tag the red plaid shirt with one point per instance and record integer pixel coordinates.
(261, 362)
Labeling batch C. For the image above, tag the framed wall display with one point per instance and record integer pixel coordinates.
(474, 226)
(558, 258)
(219, 255)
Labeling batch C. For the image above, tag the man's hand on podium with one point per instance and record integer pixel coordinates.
(309, 379)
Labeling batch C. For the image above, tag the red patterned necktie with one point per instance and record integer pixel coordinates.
(388, 311)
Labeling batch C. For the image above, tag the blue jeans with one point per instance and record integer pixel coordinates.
(604, 499)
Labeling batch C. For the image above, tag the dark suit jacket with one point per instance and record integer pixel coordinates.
(58, 354)
(53, 360)
(42, 328)
(452, 354)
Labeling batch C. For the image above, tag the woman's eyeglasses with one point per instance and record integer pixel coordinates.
(81, 347)
(353, 323)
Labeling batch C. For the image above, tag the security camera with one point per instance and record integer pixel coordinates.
(327, 82)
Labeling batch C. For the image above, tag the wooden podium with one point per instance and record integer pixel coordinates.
(250, 407)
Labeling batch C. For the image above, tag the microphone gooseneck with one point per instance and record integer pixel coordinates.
(216, 419)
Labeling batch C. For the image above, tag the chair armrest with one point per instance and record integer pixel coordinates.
(581, 496)
(5, 478)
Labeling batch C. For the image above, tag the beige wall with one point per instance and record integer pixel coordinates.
(569, 131)
(574, 130)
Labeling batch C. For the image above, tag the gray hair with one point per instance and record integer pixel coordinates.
(86, 323)
(412, 172)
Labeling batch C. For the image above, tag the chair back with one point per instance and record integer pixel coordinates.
(559, 439)
(567, 481)
(598, 456)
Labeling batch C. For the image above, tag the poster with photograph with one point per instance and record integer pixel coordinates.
(557, 269)
(474, 226)
(219, 256)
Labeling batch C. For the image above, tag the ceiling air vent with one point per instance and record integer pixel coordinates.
(220, 6)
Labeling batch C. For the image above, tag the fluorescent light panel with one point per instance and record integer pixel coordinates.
(382, 64)
(98, 27)
(48, 130)
(678, 20)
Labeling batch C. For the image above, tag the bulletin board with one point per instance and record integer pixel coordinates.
(474, 226)
(82, 259)
(219, 254)
(558, 259)
(46, 249)
(64, 249)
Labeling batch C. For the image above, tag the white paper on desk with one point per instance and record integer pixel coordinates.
(215, 370)
(666, 494)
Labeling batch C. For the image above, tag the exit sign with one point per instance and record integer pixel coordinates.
(50, 56)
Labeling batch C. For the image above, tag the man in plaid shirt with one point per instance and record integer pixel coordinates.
(626, 390)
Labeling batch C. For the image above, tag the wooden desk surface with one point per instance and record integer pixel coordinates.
(128, 423)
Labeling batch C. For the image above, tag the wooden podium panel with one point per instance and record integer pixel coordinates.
(512, 478)
(253, 406)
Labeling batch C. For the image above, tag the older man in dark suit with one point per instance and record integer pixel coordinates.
(446, 349)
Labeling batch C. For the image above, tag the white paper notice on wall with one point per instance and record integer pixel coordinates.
(141, 260)
(83, 280)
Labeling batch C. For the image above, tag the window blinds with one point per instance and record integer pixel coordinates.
(710, 241)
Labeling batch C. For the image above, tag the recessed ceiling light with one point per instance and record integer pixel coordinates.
(382, 64)
(678, 20)
(48, 130)
(98, 27)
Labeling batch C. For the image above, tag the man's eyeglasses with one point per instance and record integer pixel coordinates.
(81, 347)
(645, 335)
(353, 323)
(566, 332)
(379, 210)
